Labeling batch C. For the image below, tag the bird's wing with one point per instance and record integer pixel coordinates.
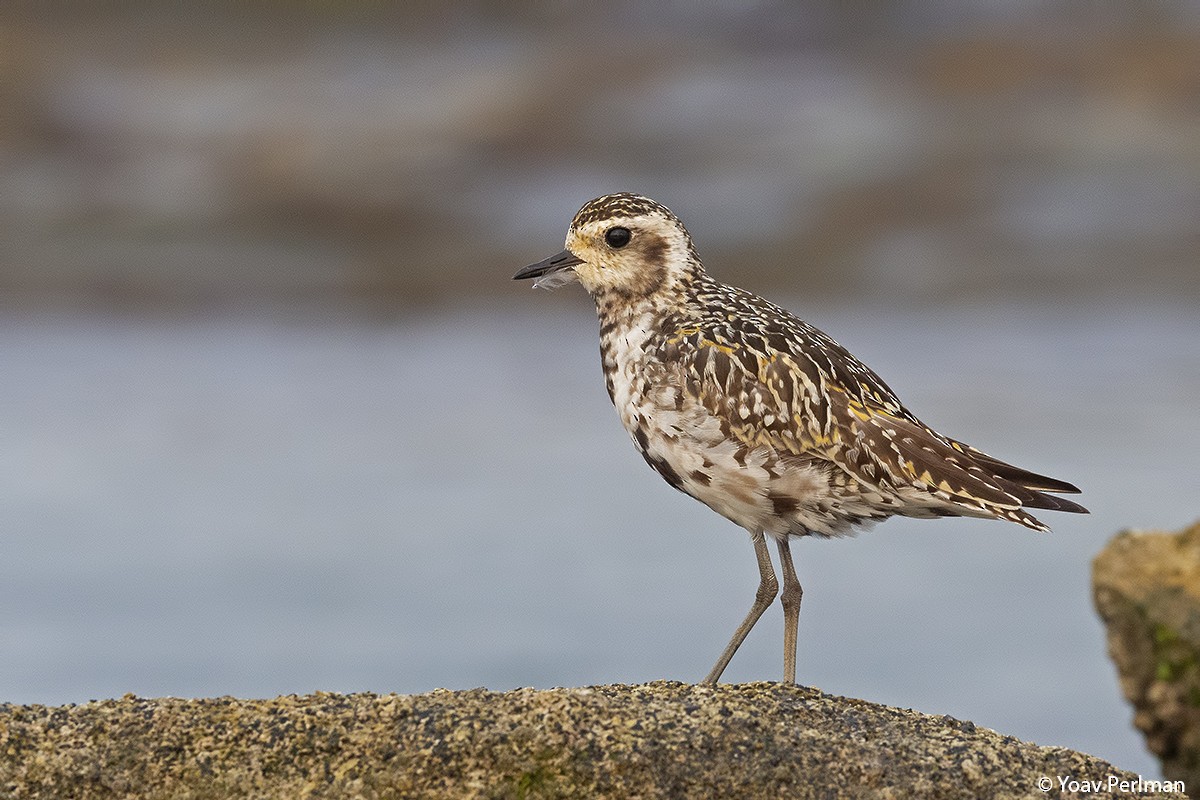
(1030, 480)
(799, 392)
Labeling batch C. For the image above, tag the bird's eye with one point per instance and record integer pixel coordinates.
(617, 237)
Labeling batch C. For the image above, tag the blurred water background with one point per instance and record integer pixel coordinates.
(274, 419)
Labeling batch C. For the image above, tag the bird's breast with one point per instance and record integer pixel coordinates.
(690, 447)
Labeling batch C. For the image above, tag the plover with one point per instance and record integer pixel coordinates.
(759, 415)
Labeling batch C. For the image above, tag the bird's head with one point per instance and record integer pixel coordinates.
(620, 244)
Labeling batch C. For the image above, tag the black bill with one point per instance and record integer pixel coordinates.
(556, 263)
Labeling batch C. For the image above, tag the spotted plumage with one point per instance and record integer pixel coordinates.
(756, 413)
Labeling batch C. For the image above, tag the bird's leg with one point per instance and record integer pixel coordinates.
(792, 593)
(768, 587)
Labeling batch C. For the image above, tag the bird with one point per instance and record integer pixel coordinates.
(759, 415)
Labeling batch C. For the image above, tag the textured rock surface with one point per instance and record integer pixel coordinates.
(1147, 590)
(658, 740)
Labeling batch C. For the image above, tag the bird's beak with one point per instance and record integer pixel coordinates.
(557, 263)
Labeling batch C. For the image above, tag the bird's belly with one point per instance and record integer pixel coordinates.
(755, 487)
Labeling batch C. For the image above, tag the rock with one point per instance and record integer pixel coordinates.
(760, 740)
(1147, 590)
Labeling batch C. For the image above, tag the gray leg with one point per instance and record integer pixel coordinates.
(792, 593)
(768, 587)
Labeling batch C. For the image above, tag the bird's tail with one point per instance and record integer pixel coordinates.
(1032, 489)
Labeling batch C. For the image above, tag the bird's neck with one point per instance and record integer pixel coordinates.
(621, 310)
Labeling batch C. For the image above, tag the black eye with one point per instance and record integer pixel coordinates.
(617, 237)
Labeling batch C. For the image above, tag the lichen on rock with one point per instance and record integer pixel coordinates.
(1146, 586)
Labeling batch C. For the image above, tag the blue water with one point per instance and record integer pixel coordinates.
(284, 502)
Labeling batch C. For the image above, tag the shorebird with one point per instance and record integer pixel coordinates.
(759, 415)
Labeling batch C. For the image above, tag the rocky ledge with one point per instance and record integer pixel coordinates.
(658, 740)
